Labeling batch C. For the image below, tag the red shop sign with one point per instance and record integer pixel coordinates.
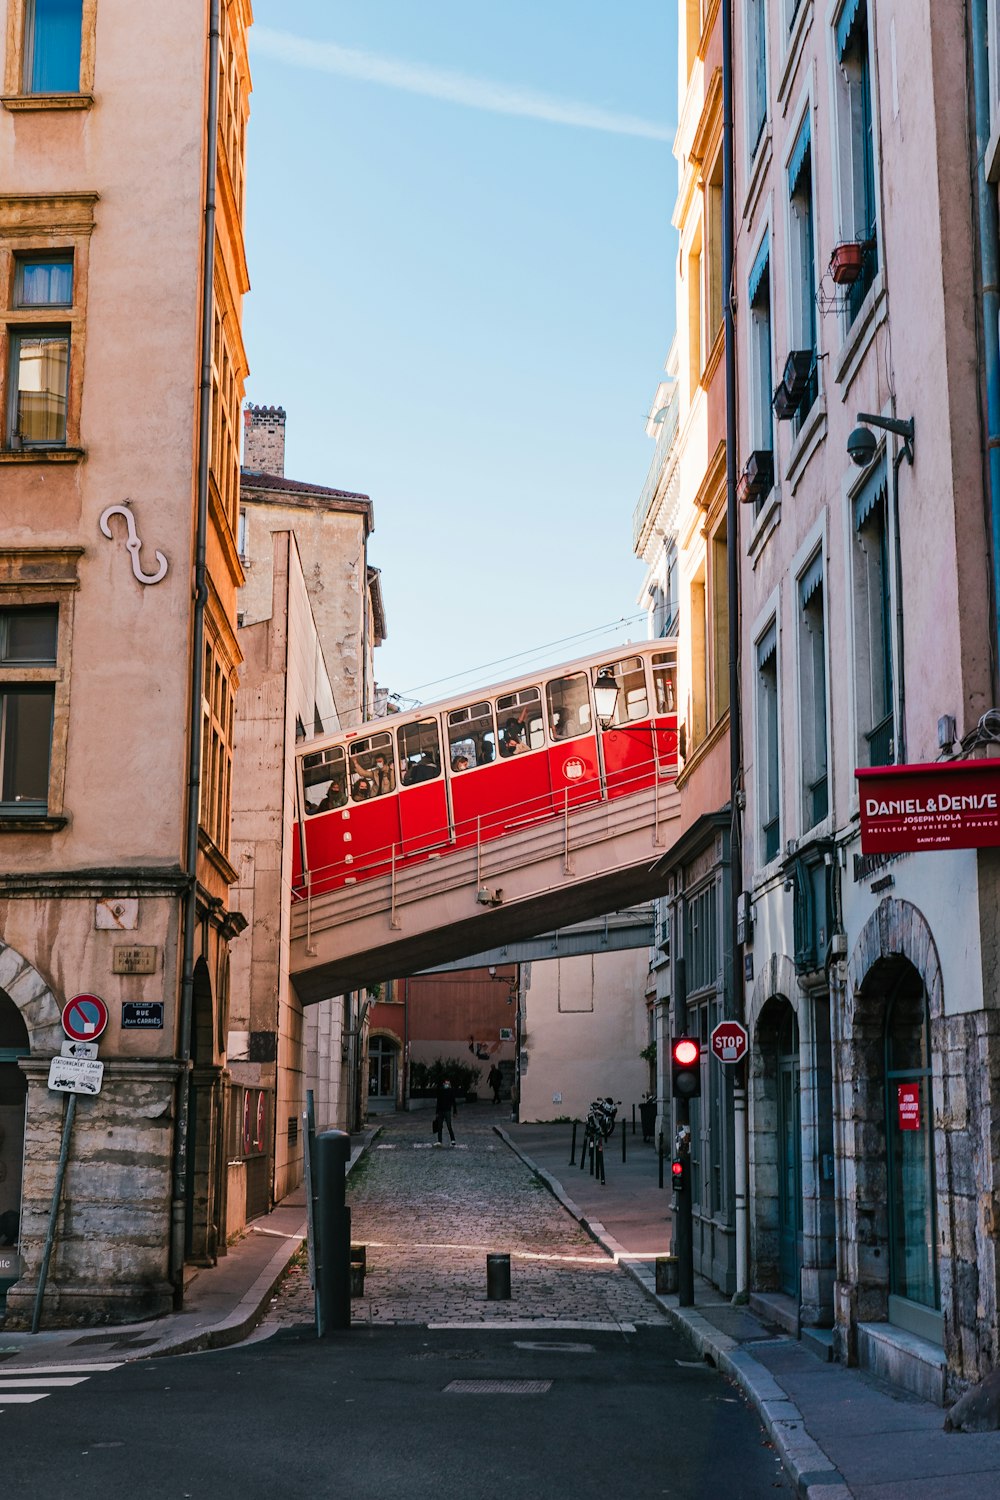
(905, 809)
(908, 1105)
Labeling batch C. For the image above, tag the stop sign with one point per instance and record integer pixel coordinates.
(730, 1041)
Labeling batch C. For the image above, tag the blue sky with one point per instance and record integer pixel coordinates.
(458, 230)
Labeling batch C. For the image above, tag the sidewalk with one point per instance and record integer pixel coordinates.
(840, 1433)
(222, 1304)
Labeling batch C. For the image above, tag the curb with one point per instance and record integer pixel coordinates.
(814, 1475)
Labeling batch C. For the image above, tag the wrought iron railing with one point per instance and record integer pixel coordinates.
(882, 743)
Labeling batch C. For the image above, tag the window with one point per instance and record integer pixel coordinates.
(569, 706)
(872, 623)
(713, 221)
(812, 694)
(38, 383)
(698, 714)
(373, 771)
(665, 683)
(472, 736)
(52, 37)
(768, 810)
(632, 702)
(858, 213)
(419, 752)
(802, 263)
(761, 377)
(28, 640)
(243, 534)
(671, 591)
(519, 716)
(696, 321)
(756, 50)
(324, 779)
(217, 705)
(719, 604)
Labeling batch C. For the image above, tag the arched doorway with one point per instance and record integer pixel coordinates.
(383, 1074)
(776, 1149)
(14, 1043)
(914, 1283)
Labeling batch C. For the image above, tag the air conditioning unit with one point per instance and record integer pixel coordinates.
(757, 480)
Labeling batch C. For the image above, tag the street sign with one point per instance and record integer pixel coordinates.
(79, 1049)
(730, 1042)
(142, 1013)
(76, 1075)
(84, 1018)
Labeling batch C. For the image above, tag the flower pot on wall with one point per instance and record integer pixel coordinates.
(847, 261)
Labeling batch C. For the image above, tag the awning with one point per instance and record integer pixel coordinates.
(767, 646)
(758, 270)
(853, 11)
(873, 492)
(811, 580)
(800, 158)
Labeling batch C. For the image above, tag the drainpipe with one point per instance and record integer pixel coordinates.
(741, 1186)
(183, 1126)
(989, 252)
(364, 627)
(904, 451)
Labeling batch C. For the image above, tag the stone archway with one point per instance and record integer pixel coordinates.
(895, 949)
(39, 1008)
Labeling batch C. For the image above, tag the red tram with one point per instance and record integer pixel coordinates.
(416, 785)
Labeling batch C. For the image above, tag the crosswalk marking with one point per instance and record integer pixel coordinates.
(22, 1398)
(30, 1381)
(70, 1369)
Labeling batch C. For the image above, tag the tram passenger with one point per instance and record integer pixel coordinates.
(335, 796)
(424, 769)
(362, 789)
(383, 778)
(460, 763)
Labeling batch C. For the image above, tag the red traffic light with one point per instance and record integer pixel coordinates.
(677, 1176)
(685, 1067)
(686, 1051)
(677, 1168)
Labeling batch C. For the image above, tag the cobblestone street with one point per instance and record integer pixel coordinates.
(429, 1216)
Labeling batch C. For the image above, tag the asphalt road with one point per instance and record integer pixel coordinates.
(384, 1411)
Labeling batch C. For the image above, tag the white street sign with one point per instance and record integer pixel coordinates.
(79, 1049)
(75, 1075)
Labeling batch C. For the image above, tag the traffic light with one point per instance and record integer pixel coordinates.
(685, 1067)
(678, 1176)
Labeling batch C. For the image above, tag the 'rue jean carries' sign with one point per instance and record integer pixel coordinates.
(950, 805)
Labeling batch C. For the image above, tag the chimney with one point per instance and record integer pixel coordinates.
(264, 439)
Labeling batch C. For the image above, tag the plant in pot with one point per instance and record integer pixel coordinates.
(647, 1107)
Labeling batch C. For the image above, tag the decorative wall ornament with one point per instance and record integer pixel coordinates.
(133, 543)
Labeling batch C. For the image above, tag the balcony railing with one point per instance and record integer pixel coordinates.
(881, 743)
(664, 442)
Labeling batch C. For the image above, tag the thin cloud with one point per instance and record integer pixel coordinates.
(448, 86)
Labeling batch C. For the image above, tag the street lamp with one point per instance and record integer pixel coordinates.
(605, 696)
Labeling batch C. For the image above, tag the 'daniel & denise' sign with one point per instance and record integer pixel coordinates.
(951, 805)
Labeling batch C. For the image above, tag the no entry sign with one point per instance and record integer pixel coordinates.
(730, 1041)
(84, 1018)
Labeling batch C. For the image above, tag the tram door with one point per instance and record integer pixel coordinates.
(574, 769)
(423, 808)
(627, 743)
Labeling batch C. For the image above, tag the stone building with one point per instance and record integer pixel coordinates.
(310, 619)
(122, 274)
(866, 641)
(680, 532)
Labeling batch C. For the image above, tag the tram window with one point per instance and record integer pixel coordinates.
(633, 701)
(665, 683)
(471, 736)
(372, 770)
(324, 779)
(419, 752)
(519, 716)
(569, 706)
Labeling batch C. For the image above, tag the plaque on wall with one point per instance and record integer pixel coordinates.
(137, 958)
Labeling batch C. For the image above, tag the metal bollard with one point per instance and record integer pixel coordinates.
(600, 1163)
(633, 1119)
(659, 1149)
(666, 1275)
(498, 1278)
(333, 1251)
(572, 1149)
(624, 1138)
(357, 1279)
(593, 1152)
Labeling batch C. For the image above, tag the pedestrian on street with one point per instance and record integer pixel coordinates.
(495, 1078)
(445, 1104)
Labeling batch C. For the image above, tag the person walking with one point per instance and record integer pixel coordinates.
(445, 1105)
(495, 1078)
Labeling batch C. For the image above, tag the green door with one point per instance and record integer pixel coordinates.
(789, 1155)
(914, 1290)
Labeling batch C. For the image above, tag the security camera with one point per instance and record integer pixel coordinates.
(861, 446)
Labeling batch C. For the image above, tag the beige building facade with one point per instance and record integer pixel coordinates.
(118, 497)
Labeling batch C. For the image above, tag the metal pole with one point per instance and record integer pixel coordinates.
(683, 1222)
(624, 1138)
(333, 1259)
(572, 1148)
(660, 1154)
(633, 1119)
(50, 1237)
